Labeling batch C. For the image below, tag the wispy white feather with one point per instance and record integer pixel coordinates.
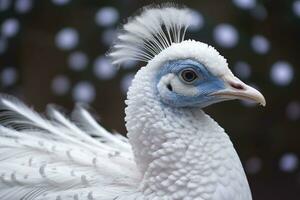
(86, 122)
(147, 34)
(56, 158)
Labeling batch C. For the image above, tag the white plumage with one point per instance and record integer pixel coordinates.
(174, 152)
(149, 33)
(56, 159)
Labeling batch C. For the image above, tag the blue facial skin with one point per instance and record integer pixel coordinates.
(206, 84)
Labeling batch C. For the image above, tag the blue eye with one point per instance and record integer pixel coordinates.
(189, 75)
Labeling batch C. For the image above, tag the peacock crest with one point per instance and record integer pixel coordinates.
(154, 29)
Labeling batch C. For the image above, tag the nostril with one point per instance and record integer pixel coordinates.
(169, 86)
(237, 86)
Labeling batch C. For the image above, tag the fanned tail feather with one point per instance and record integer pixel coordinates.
(58, 159)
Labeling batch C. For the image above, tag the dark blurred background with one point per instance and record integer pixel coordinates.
(53, 51)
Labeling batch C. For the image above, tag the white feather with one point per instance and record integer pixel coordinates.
(57, 159)
(90, 126)
(147, 34)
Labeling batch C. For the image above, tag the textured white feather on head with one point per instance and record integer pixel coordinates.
(199, 51)
(157, 35)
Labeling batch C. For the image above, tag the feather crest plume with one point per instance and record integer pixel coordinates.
(150, 32)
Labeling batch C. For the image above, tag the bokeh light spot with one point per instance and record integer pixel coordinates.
(260, 44)
(245, 4)
(60, 85)
(67, 39)
(103, 68)
(84, 91)
(226, 35)
(23, 6)
(107, 16)
(196, 21)
(126, 82)
(288, 162)
(282, 73)
(108, 36)
(129, 64)
(296, 8)
(10, 27)
(4, 4)
(259, 12)
(77, 61)
(242, 69)
(8, 76)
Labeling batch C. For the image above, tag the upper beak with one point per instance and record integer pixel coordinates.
(236, 89)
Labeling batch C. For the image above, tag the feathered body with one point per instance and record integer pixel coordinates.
(174, 152)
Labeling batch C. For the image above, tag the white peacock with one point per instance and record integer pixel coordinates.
(174, 151)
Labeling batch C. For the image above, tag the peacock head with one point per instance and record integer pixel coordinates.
(193, 74)
(188, 73)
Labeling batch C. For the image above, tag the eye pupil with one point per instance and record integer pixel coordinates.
(188, 75)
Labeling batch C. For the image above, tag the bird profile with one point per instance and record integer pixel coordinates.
(174, 151)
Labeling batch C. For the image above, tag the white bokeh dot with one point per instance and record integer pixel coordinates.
(129, 64)
(23, 6)
(77, 61)
(259, 12)
(10, 27)
(60, 85)
(293, 110)
(282, 73)
(5, 4)
(245, 4)
(226, 35)
(103, 68)
(296, 8)
(126, 82)
(84, 91)
(61, 2)
(196, 21)
(107, 16)
(67, 39)
(8, 76)
(242, 69)
(108, 36)
(288, 162)
(253, 165)
(260, 44)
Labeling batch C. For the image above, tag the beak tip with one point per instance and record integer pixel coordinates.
(262, 101)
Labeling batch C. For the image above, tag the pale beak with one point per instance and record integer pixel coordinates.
(236, 89)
